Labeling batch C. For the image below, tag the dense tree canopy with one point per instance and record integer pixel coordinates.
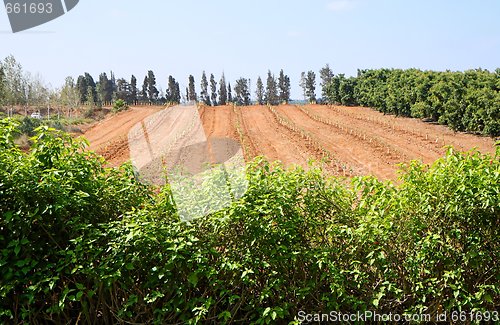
(465, 101)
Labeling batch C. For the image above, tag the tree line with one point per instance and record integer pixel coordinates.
(465, 101)
(19, 88)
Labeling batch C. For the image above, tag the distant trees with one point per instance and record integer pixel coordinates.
(326, 76)
(222, 90)
(204, 96)
(133, 88)
(152, 91)
(173, 94)
(259, 92)
(87, 89)
(70, 95)
(271, 95)
(284, 87)
(242, 93)
(105, 89)
(310, 86)
(191, 93)
(213, 89)
(3, 86)
(230, 93)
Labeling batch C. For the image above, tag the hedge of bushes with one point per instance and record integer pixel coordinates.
(80, 242)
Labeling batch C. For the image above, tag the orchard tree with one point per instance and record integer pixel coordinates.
(326, 76)
(284, 87)
(222, 90)
(259, 92)
(271, 94)
(213, 89)
(205, 97)
(310, 86)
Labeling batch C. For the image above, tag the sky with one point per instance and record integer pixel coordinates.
(248, 38)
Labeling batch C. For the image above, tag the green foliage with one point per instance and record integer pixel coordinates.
(119, 105)
(465, 101)
(79, 241)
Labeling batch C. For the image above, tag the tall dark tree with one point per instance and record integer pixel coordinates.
(105, 89)
(177, 96)
(326, 76)
(271, 94)
(81, 85)
(213, 89)
(133, 89)
(144, 91)
(284, 87)
(151, 85)
(259, 92)
(229, 93)
(192, 96)
(310, 86)
(123, 91)
(222, 90)
(113, 86)
(173, 93)
(204, 96)
(242, 94)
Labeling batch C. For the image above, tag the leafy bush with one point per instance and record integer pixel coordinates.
(119, 105)
(79, 241)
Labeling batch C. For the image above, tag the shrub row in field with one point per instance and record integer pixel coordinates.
(465, 101)
(79, 241)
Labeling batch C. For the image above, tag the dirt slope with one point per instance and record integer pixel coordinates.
(358, 140)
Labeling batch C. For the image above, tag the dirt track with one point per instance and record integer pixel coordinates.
(357, 140)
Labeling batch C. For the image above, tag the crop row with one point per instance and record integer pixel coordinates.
(311, 141)
(357, 134)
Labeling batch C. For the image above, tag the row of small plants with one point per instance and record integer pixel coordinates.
(80, 242)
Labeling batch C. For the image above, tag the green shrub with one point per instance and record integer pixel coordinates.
(79, 241)
(119, 105)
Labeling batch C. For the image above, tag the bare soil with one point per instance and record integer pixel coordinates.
(359, 140)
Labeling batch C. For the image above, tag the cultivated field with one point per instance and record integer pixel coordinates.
(356, 140)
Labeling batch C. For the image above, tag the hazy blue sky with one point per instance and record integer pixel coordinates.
(246, 38)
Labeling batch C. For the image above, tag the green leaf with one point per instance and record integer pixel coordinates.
(193, 279)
